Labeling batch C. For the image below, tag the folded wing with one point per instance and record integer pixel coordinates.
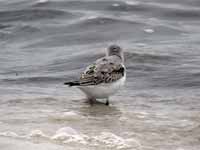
(105, 70)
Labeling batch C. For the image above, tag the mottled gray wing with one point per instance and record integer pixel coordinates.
(103, 71)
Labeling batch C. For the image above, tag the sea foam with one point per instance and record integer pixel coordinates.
(114, 141)
(67, 135)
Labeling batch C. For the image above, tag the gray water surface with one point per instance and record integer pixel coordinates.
(45, 43)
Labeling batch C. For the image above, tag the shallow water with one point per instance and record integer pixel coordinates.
(45, 43)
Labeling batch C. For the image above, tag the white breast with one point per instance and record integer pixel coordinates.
(103, 90)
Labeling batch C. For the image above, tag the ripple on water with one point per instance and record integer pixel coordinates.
(66, 116)
(31, 14)
(9, 134)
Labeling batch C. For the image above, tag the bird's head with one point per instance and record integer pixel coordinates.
(115, 50)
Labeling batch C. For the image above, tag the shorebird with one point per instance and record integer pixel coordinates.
(104, 77)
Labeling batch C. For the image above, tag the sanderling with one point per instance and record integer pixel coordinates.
(104, 77)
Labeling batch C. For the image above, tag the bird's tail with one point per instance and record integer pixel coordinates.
(72, 83)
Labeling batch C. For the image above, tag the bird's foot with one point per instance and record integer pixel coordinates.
(107, 102)
(92, 101)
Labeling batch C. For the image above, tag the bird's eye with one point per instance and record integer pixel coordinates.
(114, 49)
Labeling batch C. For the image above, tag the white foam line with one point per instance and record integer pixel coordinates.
(134, 3)
(149, 30)
(42, 1)
(116, 5)
(68, 135)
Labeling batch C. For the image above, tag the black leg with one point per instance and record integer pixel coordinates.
(107, 101)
